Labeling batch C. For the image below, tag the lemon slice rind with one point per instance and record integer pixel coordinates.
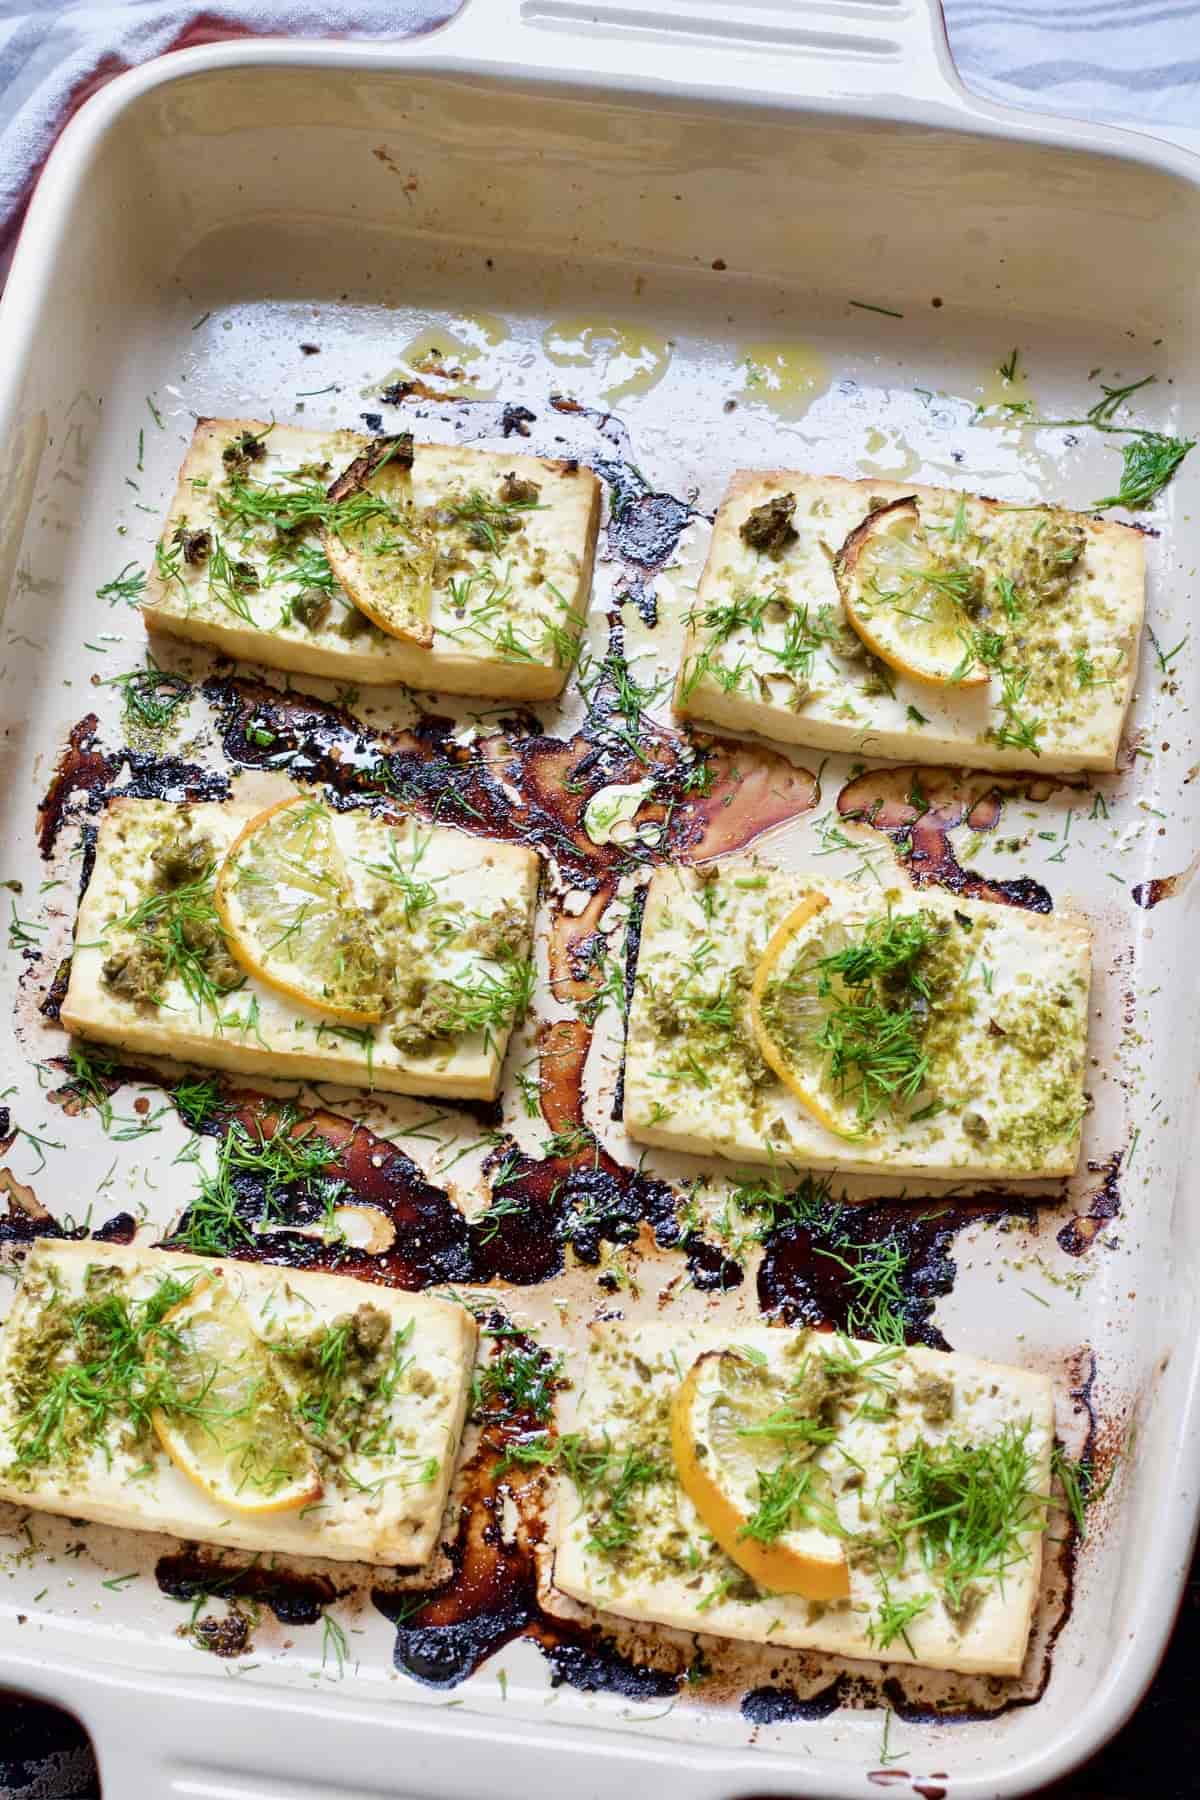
(807, 1561)
(385, 568)
(245, 1420)
(810, 908)
(933, 654)
(244, 927)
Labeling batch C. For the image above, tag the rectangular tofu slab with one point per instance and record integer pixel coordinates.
(380, 1502)
(1006, 1037)
(468, 891)
(794, 669)
(660, 1564)
(510, 587)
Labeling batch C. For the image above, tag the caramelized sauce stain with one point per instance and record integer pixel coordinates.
(25, 1218)
(917, 808)
(1147, 894)
(644, 529)
(633, 945)
(802, 1281)
(85, 768)
(443, 1635)
(195, 1576)
(607, 425)
(120, 1229)
(491, 1597)
(470, 417)
(51, 1004)
(769, 1705)
(563, 1046)
(430, 1243)
(583, 1198)
(749, 791)
(1104, 1203)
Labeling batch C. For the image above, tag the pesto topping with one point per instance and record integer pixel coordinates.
(173, 933)
(344, 1377)
(87, 1374)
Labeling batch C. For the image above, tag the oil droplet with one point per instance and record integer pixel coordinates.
(785, 377)
(454, 357)
(1004, 396)
(889, 456)
(629, 359)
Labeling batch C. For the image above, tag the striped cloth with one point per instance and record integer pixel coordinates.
(1131, 62)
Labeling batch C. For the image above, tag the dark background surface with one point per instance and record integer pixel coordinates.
(45, 1756)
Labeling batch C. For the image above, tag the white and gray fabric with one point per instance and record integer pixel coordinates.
(1130, 62)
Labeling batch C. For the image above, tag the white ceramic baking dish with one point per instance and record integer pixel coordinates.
(726, 175)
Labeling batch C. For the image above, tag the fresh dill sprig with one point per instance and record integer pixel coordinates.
(1148, 463)
(870, 1032)
(400, 871)
(1076, 1480)
(877, 1300)
(615, 1477)
(129, 584)
(151, 697)
(892, 1618)
(91, 1071)
(108, 1357)
(782, 1500)
(967, 1506)
(196, 1101)
(491, 1001)
(519, 1381)
(181, 927)
(216, 1220)
(334, 1644)
(805, 633)
(1105, 410)
(765, 1199)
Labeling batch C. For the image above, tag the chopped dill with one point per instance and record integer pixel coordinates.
(1148, 463)
(151, 697)
(129, 584)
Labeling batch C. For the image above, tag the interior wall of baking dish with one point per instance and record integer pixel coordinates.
(272, 182)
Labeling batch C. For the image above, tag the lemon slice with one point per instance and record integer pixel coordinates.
(231, 1427)
(760, 1493)
(378, 545)
(290, 916)
(906, 601)
(836, 1008)
(801, 1077)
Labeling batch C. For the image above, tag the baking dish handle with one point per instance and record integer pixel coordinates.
(828, 52)
(162, 1737)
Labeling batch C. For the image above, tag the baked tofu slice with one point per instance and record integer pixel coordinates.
(999, 1039)
(495, 551)
(454, 916)
(384, 1429)
(769, 648)
(906, 1425)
